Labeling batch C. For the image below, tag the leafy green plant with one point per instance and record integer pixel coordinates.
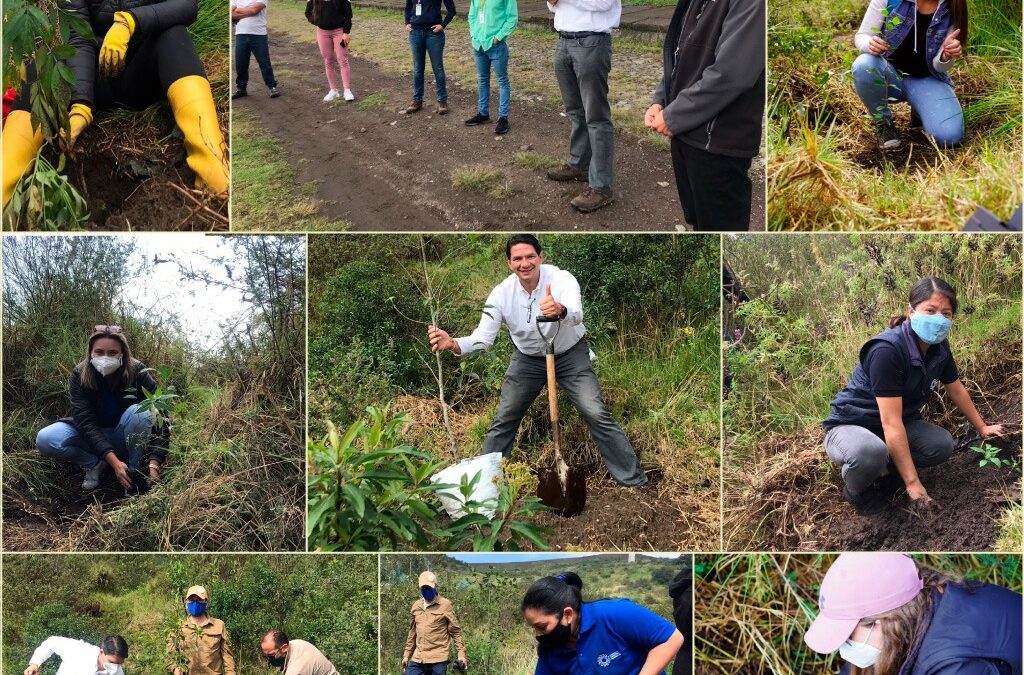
(162, 402)
(46, 199)
(989, 455)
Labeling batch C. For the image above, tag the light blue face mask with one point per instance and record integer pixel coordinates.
(932, 328)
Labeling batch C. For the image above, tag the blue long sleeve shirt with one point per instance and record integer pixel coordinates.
(430, 13)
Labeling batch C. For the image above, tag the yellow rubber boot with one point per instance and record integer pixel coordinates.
(20, 146)
(196, 115)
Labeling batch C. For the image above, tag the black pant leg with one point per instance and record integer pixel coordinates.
(719, 188)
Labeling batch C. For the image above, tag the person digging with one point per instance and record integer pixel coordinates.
(142, 53)
(532, 290)
(875, 431)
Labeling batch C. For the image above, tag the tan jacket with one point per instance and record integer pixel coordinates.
(306, 659)
(431, 630)
(205, 647)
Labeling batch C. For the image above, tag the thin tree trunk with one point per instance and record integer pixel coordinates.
(439, 375)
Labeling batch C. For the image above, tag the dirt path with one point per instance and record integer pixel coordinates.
(386, 171)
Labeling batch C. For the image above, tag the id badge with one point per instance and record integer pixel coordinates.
(419, 9)
(480, 16)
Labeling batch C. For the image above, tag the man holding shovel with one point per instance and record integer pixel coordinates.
(532, 290)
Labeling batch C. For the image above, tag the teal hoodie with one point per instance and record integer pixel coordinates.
(500, 19)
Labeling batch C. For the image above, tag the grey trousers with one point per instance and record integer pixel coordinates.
(863, 455)
(524, 379)
(581, 67)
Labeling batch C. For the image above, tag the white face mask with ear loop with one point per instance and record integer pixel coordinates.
(106, 364)
(860, 654)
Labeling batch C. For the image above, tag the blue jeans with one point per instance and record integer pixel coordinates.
(427, 668)
(423, 41)
(878, 84)
(496, 57)
(130, 438)
(258, 46)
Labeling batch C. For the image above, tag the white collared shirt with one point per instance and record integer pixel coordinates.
(76, 657)
(579, 16)
(510, 304)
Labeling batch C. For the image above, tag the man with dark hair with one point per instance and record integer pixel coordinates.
(294, 657)
(532, 289)
(77, 656)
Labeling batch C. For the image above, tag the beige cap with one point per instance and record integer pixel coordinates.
(428, 579)
(197, 591)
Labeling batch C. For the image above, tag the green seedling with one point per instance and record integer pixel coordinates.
(989, 455)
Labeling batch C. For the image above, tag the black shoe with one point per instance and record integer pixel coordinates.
(502, 126)
(888, 137)
(915, 120)
(274, 93)
(241, 93)
(867, 502)
(477, 119)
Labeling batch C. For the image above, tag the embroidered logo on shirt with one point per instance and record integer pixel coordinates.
(935, 385)
(605, 660)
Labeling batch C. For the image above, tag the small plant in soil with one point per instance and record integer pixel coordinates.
(989, 455)
(482, 179)
(372, 101)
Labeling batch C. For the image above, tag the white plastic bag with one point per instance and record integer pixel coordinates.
(485, 492)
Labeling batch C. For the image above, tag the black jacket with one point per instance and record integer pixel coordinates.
(151, 16)
(334, 14)
(713, 86)
(681, 592)
(85, 404)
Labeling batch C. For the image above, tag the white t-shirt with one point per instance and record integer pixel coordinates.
(76, 657)
(251, 25)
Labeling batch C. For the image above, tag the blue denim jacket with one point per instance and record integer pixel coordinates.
(906, 11)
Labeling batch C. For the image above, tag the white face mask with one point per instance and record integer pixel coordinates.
(860, 654)
(106, 364)
(109, 669)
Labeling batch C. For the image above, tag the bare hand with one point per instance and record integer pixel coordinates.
(120, 470)
(154, 472)
(177, 671)
(405, 662)
(550, 307)
(32, 669)
(917, 492)
(437, 28)
(878, 46)
(651, 112)
(990, 430)
(951, 47)
(439, 340)
(659, 125)
(344, 39)
(408, 28)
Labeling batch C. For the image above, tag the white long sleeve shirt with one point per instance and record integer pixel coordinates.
(510, 304)
(580, 16)
(76, 657)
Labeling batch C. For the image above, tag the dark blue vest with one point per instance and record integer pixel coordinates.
(855, 404)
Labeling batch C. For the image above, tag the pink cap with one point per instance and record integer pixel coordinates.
(859, 585)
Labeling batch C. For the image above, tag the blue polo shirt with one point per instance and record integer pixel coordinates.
(615, 638)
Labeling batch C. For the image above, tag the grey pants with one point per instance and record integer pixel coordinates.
(582, 66)
(524, 379)
(863, 455)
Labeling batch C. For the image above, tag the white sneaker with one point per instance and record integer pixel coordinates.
(349, 96)
(92, 476)
(331, 95)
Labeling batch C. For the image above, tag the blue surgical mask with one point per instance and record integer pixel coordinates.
(428, 593)
(932, 328)
(196, 607)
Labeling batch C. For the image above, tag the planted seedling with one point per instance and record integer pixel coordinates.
(989, 455)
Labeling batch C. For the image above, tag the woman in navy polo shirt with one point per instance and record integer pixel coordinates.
(611, 637)
(875, 431)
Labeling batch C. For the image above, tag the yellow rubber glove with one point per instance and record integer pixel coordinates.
(81, 117)
(115, 44)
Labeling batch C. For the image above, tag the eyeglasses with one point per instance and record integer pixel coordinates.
(529, 310)
(109, 330)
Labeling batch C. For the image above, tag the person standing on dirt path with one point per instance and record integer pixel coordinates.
(616, 636)
(425, 26)
(252, 39)
(490, 24)
(201, 644)
(333, 21)
(907, 49)
(710, 103)
(107, 426)
(433, 626)
(78, 657)
(139, 56)
(875, 431)
(888, 614)
(532, 289)
(294, 657)
(583, 59)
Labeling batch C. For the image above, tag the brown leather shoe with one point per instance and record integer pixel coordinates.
(567, 172)
(591, 200)
(442, 107)
(415, 107)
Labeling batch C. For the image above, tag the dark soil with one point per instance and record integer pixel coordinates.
(569, 501)
(381, 170)
(916, 152)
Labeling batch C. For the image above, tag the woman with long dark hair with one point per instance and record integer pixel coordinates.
(887, 615)
(107, 426)
(333, 21)
(875, 430)
(907, 49)
(611, 637)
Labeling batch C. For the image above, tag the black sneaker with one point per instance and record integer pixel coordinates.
(274, 93)
(888, 137)
(890, 484)
(502, 126)
(241, 93)
(867, 502)
(477, 119)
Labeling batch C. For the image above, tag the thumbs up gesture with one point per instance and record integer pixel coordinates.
(548, 305)
(951, 47)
